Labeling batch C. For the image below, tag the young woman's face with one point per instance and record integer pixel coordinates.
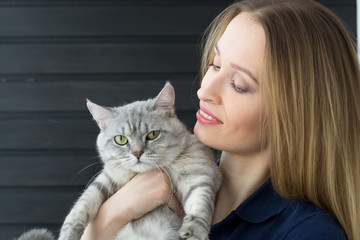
(230, 101)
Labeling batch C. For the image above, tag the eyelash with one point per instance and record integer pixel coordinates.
(239, 90)
(216, 68)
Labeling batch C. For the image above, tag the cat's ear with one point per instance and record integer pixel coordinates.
(99, 113)
(166, 99)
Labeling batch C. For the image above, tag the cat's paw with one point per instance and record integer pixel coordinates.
(194, 228)
(72, 232)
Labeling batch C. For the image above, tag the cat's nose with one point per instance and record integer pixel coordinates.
(137, 154)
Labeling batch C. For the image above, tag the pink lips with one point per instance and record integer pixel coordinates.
(205, 117)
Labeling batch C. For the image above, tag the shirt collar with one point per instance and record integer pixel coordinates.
(263, 204)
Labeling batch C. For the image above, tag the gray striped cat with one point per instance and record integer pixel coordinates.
(137, 137)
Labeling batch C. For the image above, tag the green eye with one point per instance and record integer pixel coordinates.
(153, 135)
(121, 140)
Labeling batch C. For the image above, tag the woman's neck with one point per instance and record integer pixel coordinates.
(242, 175)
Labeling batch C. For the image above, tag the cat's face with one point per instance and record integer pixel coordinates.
(139, 136)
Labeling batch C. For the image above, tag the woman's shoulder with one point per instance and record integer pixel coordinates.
(305, 220)
(267, 215)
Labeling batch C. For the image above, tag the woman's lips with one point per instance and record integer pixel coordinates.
(205, 117)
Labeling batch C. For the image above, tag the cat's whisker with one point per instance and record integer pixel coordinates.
(168, 175)
(88, 166)
(170, 166)
(91, 179)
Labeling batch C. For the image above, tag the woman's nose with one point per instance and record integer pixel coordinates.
(210, 89)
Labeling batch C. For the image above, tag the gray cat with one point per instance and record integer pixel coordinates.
(138, 137)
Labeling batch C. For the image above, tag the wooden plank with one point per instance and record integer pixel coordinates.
(48, 168)
(71, 95)
(330, 3)
(48, 132)
(36, 205)
(89, 77)
(98, 58)
(136, 3)
(109, 21)
(17, 3)
(56, 131)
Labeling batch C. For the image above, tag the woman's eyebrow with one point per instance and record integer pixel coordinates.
(240, 68)
(246, 71)
(217, 49)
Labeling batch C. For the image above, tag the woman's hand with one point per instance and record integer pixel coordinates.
(142, 194)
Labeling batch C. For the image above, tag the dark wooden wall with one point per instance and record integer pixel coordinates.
(54, 55)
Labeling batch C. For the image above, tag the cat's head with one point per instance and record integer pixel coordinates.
(141, 135)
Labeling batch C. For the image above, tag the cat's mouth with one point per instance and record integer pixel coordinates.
(141, 166)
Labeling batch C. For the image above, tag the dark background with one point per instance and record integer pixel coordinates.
(54, 55)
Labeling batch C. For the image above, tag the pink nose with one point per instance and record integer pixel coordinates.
(137, 154)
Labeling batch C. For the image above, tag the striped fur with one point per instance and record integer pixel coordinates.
(188, 163)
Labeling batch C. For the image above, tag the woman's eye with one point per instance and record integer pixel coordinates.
(120, 140)
(239, 89)
(216, 68)
(153, 135)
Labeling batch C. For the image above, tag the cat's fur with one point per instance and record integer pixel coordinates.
(187, 162)
(36, 234)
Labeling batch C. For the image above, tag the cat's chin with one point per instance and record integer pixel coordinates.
(141, 167)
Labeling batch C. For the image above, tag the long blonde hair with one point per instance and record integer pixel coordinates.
(311, 88)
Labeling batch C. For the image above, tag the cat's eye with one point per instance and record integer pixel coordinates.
(153, 135)
(120, 140)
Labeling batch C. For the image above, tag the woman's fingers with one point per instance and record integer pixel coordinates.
(142, 194)
(175, 205)
(149, 190)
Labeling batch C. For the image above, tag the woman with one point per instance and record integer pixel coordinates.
(280, 93)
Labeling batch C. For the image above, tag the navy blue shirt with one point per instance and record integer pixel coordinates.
(266, 215)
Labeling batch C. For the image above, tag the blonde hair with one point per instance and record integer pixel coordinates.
(310, 85)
